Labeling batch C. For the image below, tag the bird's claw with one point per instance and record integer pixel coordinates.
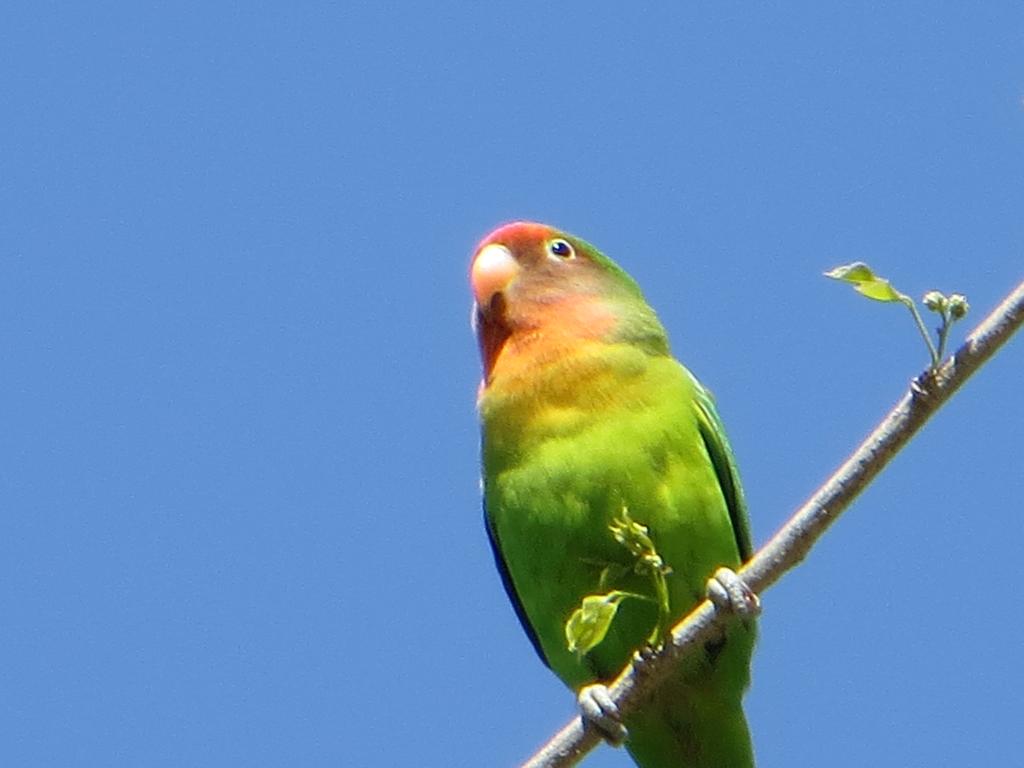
(645, 653)
(598, 709)
(730, 593)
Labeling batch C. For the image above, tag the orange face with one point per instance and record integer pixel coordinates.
(536, 291)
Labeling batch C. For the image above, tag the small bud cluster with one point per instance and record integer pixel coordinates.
(954, 306)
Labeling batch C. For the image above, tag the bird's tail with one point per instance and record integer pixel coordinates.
(693, 731)
(695, 718)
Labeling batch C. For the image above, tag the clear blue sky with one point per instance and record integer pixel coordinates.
(238, 463)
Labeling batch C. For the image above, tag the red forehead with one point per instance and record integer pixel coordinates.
(518, 233)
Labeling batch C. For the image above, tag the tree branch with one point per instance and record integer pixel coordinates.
(927, 393)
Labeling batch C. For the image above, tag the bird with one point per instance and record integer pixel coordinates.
(588, 422)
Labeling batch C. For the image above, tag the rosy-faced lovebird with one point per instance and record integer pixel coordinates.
(585, 417)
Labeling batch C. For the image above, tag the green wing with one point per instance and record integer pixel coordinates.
(712, 431)
(510, 587)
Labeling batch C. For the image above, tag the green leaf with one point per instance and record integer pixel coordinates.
(631, 534)
(589, 623)
(866, 282)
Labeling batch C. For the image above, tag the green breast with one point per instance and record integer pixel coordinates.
(611, 427)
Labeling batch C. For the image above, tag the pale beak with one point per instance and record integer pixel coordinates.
(493, 270)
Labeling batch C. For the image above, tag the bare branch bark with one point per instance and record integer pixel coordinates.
(927, 393)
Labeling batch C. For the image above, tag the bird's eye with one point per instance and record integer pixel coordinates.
(560, 249)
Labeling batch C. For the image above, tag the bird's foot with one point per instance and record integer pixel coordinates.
(598, 709)
(730, 593)
(645, 653)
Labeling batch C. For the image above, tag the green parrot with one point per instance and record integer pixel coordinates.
(585, 414)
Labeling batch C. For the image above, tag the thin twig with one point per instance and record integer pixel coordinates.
(927, 393)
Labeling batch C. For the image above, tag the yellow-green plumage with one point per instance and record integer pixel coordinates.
(584, 413)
